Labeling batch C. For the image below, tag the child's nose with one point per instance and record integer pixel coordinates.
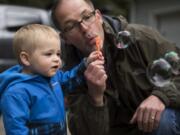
(56, 58)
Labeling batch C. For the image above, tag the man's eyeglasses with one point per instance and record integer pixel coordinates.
(87, 19)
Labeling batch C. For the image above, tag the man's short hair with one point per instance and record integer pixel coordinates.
(53, 11)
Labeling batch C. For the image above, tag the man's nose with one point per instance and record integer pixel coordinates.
(83, 27)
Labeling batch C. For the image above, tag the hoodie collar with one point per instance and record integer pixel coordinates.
(11, 76)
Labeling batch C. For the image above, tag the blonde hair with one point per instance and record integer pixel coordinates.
(27, 38)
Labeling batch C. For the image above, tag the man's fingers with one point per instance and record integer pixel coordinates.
(151, 119)
(133, 120)
(157, 119)
(145, 120)
(140, 114)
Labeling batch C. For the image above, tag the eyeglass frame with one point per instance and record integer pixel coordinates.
(77, 24)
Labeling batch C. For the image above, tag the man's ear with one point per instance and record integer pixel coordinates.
(99, 15)
(24, 57)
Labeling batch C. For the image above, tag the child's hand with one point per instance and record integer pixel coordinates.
(96, 55)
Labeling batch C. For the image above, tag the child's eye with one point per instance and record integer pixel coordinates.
(47, 54)
(58, 54)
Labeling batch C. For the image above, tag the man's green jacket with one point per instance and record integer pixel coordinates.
(127, 84)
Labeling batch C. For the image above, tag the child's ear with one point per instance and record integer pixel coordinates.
(24, 57)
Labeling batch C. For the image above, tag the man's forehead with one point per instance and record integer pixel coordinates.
(73, 5)
(72, 9)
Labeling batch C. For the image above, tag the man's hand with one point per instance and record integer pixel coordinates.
(96, 81)
(148, 114)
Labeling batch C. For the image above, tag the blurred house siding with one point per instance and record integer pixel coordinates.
(164, 15)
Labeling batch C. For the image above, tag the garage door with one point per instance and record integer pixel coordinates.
(169, 25)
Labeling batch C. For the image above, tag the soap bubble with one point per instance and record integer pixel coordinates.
(123, 39)
(173, 59)
(159, 72)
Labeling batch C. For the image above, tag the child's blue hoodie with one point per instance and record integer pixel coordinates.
(27, 99)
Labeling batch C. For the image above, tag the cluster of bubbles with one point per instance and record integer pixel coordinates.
(162, 70)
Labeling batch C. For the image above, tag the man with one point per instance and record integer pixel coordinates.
(130, 105)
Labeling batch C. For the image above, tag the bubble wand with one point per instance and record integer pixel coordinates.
(98, 44)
